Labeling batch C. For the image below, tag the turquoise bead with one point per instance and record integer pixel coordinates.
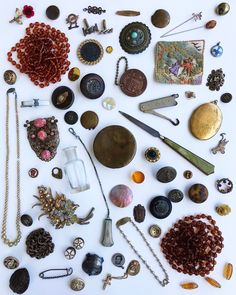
(134, 35)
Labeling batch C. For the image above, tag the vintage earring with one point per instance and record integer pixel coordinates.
(217, 50)
(27, 11)
(72, 21)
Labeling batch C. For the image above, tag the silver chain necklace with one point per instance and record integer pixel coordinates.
(123, 221)
(4, 237)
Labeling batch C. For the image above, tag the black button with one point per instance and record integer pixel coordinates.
(52, 12)
(71, 117)
(160, 207)
(26, 220)
(63, 97)
(226, 97)
(92, 86)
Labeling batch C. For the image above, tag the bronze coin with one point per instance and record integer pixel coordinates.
(114, 146)
(160, 18)
(133, 82)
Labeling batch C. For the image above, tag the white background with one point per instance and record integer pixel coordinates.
(143, 193)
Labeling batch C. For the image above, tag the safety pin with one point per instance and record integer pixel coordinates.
(68, 272)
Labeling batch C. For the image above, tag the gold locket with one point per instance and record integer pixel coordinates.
(206, 120)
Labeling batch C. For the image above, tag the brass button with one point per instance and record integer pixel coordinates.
(160, 18)
(10, 77)
(89, 120)
(154, 231)
(77, 284)
(11, 262)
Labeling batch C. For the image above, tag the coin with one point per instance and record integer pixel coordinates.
(133, 82)
(52, 12)
(166, 174)
(160, 18)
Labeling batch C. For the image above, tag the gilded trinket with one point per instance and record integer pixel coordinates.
(26, 220)
(70, 253)
(166, 174)
(154, 231)
(77, 284)
(92, 264)
(224, 185)
(152, 154)
(11, 262)
(188, 174)
(215, 80)
(160, 207)
(118, 260)
(161, 18)
(221, 145)
(90, 52)
(19, 281)
(223, 209)
(205, 121)
(138, 177)
(213, 282)
(139, 213)
(109, 103)
(175, 196)
(228, 271)
(78, 243)
(74, 74)
(72, 20)
(60, 210)
(223, 8)
(198, 193)
(121, 195)
(109, 49)
(57, 173)
(226, 97)
(10, 77)
(89, 120)
(33, 172)
(217, 50)
(189, 285)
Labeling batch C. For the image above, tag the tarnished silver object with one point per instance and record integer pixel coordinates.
(56, 273)
(34, 103)
(224, 185)
(72, 21)
(70, 253)
(104, 29)
(107, 240)
(78, 243)
(11, 262)
(221, 145)
(118, 260)
(77, 284)
(167, 101)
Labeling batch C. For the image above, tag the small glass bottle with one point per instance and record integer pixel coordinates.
(75, 171)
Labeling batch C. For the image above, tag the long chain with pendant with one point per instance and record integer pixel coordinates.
(5, 239)
(123, 221)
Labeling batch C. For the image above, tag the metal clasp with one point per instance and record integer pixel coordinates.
(123, 221)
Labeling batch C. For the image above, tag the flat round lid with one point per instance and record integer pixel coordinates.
(92, 86)
(90, 52)
(160, 18)
(160, 207)
(63, 97)
(114, 146)
(135, 37)
(133, 82)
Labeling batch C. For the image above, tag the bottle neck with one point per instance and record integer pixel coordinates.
(70, 153)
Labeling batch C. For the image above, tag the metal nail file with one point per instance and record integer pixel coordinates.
(167, 101)
(197, 161)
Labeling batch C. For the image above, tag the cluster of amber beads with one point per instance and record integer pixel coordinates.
(42, 54)
(191, 245)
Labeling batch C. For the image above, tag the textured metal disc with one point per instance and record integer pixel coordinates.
(89, 120)
(92, 86)
(133, 82)
(226, 97)
(160, 18)
(71, 117)
(175, 195)
(154, 231)
(77, 284)
(160, 207)
(90, 52)
(114, 146)
(135, 37)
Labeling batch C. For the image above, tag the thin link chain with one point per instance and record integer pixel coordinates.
(5, 239)
(118, 66)
(163, 282)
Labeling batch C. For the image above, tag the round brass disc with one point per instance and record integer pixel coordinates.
(205, 121)
(160, 18)
(133, 82)
(114, 146)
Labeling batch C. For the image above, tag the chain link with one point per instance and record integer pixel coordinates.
(4, 237)
(118, 66)
(163, 282)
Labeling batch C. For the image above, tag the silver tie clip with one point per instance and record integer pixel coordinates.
(167, 101)
(34, 103)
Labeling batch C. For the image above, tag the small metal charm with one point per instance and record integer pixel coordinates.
(33, 172)
(224, 185)
(190, 94)
(78, 243)
(77, 284)
(118, 260)
(87, 30)
(221, 145)
(72, 20)
(70, 253)
(175, 195)
(10, 77)
(56, 273)
(217, 50)
(18, 17)
(11, 262)
(154, 231)
(188, 174)
(57, 173)
(139, 213)
(223, 209)
(152, 154)
(92, 264)
(94, 10)
(215, 80)
(104, 29)
(226, 97)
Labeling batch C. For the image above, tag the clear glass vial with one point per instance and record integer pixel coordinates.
(75, 171)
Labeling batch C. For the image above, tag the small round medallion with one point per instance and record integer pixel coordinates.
(52, 12)
(10, 77)
(152, 154)
(226, 97)
(133, 82)
(109, 49)
(77, 284)
(224, 185)
(90, 52)
(198, 193)
(160, 18)
(175, 195)
(89, 120)
(217, 50)
(33, 172)
(118, 260)
(92, 86)
(160, 207)
(78, 243)
(11, 262)
(70, 253)
(74, 74)
(188, 174)
(26, 220)
(154, 231)
(166, 174)
(71, 117)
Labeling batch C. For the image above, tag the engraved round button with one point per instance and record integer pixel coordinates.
(92, 86)
(71, 117)
(52, 12)
(11, 262)
(77, 284)
(133, 82)
(10, 77)
(160, 18)
(154, 231)
(226, 97)
(160, 207)
(70, 253)
(78, 243)
(175, 195)
(33, 172)
(26, 220)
